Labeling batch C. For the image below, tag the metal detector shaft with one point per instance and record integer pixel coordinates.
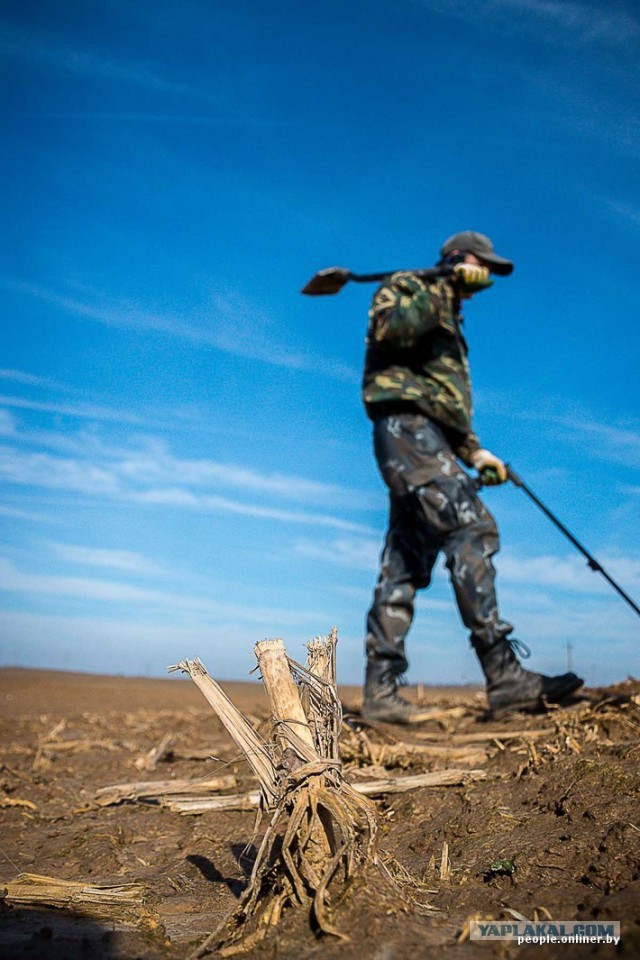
(591, 560)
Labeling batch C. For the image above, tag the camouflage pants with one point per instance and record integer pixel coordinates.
(434, 506)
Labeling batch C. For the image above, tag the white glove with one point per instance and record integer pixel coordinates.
(491, 468)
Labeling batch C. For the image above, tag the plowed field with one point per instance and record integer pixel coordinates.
(552, 832)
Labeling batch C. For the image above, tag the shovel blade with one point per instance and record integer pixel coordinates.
(331, 280)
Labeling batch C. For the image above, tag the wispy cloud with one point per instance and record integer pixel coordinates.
(146, 460)
(572, 22)
(553, 100)
(616, 443)
(84, 411)
(125, 560)
(580, 22)
(616, 440)
(31, 380)
(57, 52)
(625, 211)
(7, 424)
(147, 472)
(61, 473)
(125, 315)
(585, 110)
(567, 573)
(225, 329)
(356, 553)
(13, 580)
(245, 330)
(183, 498)
(154, 463)
(18, 514)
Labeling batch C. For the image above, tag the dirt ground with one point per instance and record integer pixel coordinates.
(553, 832)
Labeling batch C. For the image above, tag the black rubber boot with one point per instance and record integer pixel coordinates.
(382, 703)
(511, 687)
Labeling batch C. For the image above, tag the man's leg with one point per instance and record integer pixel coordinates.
(406, 563)
(405, 566)
(469, 549)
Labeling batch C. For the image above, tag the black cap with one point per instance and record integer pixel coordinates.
(471, 242)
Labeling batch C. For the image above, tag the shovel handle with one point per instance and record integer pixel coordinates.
(332, 279)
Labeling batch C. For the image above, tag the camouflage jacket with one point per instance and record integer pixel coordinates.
(417, 357)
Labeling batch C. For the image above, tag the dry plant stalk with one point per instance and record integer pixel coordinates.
(155, 755)
(118, 792)
(357, 747)
(254, 747)
(445, 862)
(189, 753)
(7, 801)
(253, 800)
(321, 833)
(451, 777)
(483, 736)
(105, 900)
(437, 778)
(41, 760)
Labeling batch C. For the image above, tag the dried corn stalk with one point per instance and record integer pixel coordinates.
(119, 792)
(321, 833)
(451, 777)
(254, 747)
(105, 900)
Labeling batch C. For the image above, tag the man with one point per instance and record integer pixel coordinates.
(417, 391)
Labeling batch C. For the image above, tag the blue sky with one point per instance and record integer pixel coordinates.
(185, 465)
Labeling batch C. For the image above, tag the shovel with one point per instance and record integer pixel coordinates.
(333, 279)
